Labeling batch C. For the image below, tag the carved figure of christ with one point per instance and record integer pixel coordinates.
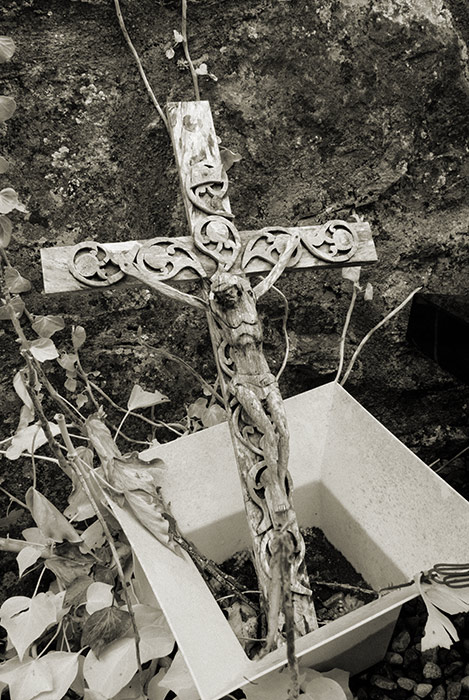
(222, 257)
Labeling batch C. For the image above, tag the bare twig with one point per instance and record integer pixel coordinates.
(344, 332)
(75, 462)
(139, 63)
(446, 464)
(185, 46)
(370, 333)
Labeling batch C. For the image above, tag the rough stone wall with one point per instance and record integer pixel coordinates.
(335, 106)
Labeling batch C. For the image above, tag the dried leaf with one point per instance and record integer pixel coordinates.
(451, 600)
(7, 48)
(27, 557)
(43, 349)
(17, 306)
(129, 473)
(15, 283)
(99, 596)
(368, 296)
(6, 228)
(139, 398)
(45, 326)
(25, 619)
(101, 438)
(439, 630)
(49, 519)
(7, 109)
(104, 627)
(27, 439)
(4, 165)
(229, 157)
(243, 621)
(78, 337)
(149, 513)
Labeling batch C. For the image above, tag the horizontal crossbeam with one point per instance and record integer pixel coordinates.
(89, 265)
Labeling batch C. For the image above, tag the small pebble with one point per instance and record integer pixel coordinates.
(430, 655)
(431, 671)
(465, 683)
(453, 690)
(383, 683)
(410, 655)
(394, 658)
(453, 668)
(406, 683)
(401, 641)
(423, 689)
(438, 693)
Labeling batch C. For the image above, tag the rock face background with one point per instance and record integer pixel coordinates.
(334, 105)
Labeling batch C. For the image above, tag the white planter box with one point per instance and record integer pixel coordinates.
(380, 505)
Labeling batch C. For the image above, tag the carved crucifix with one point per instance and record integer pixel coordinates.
(222, 258)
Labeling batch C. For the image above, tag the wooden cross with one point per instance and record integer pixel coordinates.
(222, 257)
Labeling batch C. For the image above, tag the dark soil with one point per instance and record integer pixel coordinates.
(325, 564)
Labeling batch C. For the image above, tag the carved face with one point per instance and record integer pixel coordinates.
(228, 290)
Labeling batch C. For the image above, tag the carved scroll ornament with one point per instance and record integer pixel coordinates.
(206, 186)
(218, 238)
(165, 258)
(92, 265)
(335, 242)
(268, 245)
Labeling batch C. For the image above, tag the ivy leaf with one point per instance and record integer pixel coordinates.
(202, 69)
(20, 388)
(28, 679)
(117, 663)
(352, 274)
(46, 678)
(25, 619)
(16, 304)
(6, 228)
(45, 326)
(178, 38)
(67, 569)
(9, 198)
(76, 591)
(78, 337)
(7, 108)
(139, 398)
(7, 48)
(43, 349)
(4, 165)
(15, 283)
(104, 626)
(179, 680)
(93, 537)
(99, 596)
(68, 361)
(49, 519)
(27, 557)
(321, 687)
(27, 439)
